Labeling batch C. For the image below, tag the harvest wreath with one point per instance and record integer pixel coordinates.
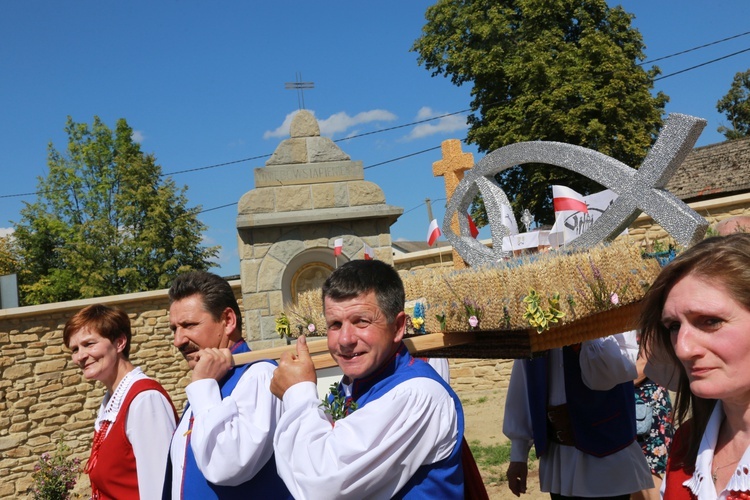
(513, 309)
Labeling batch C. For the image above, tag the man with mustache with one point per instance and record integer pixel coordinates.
(222, 447)
(400, 425)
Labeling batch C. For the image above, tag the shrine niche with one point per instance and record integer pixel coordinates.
(309, 277)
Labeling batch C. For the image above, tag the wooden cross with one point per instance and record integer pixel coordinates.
(452, 168)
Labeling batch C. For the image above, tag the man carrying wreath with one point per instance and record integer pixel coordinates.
(401, 426)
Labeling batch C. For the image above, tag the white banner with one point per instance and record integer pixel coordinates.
(570, 225)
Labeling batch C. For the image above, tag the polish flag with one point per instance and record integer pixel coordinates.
(369, 252)
(472, 227)
(564, 199)
(433, 233)
(338, 246)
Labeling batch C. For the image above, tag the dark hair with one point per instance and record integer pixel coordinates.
(215, 292)
(107, 321)
(722, 261)
(358, 277)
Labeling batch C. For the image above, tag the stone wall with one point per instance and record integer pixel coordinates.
(645, 231)
(44, 396)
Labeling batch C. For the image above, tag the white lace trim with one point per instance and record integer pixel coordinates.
(740, 480)
(111, 403)
(694, 483)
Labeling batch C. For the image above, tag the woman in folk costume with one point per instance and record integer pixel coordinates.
(695, 328)
(136, 418)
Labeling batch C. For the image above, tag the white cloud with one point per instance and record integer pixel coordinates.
(444, 125)
(341, 122)
(282, 130)
(334, 124)
(138, 136)
(5, 231)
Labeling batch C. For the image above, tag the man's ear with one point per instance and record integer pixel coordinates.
(229, 317)
(399, 324)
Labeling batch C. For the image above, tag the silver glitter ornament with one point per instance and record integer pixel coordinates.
(638, 190)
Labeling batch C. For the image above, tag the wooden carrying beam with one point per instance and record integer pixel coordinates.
(420, 345)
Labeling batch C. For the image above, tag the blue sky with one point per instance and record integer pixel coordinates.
(202, 84)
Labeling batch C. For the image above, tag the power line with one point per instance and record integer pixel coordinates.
(217, 165)
(694, 48)
(702, 64)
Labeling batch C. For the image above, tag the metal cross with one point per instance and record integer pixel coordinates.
(300, 87)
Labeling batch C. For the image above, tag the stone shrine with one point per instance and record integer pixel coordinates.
(309, 194)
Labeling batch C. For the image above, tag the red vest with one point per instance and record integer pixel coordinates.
(114, 473)
(676, 471)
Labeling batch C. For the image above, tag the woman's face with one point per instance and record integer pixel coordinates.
(97, 356)
(710, 333)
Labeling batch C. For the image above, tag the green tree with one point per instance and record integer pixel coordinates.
(736, 106)
(551, 70)
(9, 258)
(105, 221)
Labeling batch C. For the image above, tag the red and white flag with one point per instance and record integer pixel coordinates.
(472, 227)
(565, 199)
(369, 252)
(433, 233)
(338, 246)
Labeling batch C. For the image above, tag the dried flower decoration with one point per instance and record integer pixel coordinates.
(55, 475)
(536, 316)
(282, 325)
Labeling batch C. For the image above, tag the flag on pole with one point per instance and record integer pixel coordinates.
(564, 199)
(433, 233)
(472, 227)
(508, 219)
(338, 246)
(369, 252)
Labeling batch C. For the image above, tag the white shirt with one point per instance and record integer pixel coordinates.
(373, 452)
(149, 427)
(565, 470)
(441, 366)
(701, 483)
(231, 438)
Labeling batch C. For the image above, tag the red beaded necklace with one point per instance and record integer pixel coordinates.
(98, 438)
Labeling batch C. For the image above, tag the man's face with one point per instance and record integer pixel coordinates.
(360, 338)
(194, 328)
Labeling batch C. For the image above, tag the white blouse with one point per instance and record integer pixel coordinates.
(701, 483)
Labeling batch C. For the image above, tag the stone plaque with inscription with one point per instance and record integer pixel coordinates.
(309, 173)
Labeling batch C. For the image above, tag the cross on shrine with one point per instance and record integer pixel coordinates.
(452, 168)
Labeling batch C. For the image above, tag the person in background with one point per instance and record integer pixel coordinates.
(654, 426)
(223, 445)
(575, 405)
(136, 418)
(394, 428)
(695, 330)
(736, 224)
